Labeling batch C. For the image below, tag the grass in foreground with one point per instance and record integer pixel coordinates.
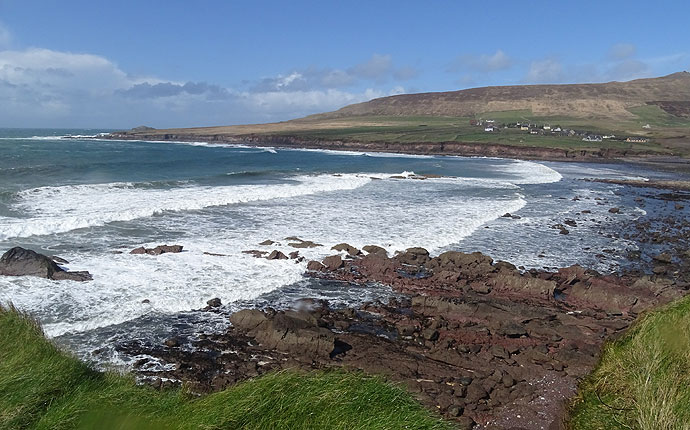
(643, 379)
(44, 388)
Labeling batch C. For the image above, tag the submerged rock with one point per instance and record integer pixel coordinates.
(25, 262)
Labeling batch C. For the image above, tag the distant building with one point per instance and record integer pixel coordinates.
(557, 130)
(490, 128)
(524, 127)
(534, 131)
(547, 127)
(637, 140)
(592, 138)
(646, 126)
(474, 122)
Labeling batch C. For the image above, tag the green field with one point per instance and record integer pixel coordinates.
(454, 129)
(643, 379)
(44, 388)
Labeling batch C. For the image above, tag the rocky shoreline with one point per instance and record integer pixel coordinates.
(469, 149)
(482, 342)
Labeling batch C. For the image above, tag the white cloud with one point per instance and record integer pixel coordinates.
(628, 69)
(41, 87)
(545, 71)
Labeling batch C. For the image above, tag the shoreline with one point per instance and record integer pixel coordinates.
(463, 149)
(476, 339)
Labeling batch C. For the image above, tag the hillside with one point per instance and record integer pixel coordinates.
(654, 111)
(607, 100)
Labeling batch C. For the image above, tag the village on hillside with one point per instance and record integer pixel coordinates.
(490, 126)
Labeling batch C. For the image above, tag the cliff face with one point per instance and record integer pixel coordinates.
(606, 100)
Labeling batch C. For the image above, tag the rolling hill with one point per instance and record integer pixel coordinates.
(610, 100)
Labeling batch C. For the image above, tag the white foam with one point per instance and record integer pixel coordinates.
(529, 172)
(327, 209)
(65, 208)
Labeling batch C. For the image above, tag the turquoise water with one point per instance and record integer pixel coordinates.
(90, 201)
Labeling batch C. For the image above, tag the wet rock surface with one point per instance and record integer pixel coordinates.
(158, 250)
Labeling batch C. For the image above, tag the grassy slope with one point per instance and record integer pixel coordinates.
(420, 129)
(454, 129)
(43, 388)
(643, 379)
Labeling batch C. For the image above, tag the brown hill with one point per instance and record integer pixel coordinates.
(606, 100)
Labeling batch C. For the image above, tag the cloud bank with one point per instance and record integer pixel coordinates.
(42, 87)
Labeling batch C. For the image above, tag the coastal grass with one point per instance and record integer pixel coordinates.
(643, 379)
(42, 387)
(431, 129)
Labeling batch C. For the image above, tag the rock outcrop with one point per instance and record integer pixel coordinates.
(160, 249)
(25, 262)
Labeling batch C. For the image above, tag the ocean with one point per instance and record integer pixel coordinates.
(91, 201)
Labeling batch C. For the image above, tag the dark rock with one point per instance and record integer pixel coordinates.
(160, 249)
(475, 393)
(304, 244)
(164, 249)
(214, 303)
(614, 210)
(499, 352)
(460, 390)
(247, 319)
(293, 255)
(25, 262)
(276, 255)
(315, 266)
(431, 334)
(334, 262)
(570, 222)
(466, 380)
(663, 258)
(255, 253)
(513, 329)
(172, 342)
(267, 242)
(466, 423)
(376, 250)
(506, 215)
(351, 250)
(413, 256)
(455, 410)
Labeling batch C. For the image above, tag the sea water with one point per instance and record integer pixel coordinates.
(92, 200)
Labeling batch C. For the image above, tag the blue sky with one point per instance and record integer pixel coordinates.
(180, 63)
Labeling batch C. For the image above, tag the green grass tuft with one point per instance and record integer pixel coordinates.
(643, 379)
(41, 387)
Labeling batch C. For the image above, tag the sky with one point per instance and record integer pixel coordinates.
(121, 64)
